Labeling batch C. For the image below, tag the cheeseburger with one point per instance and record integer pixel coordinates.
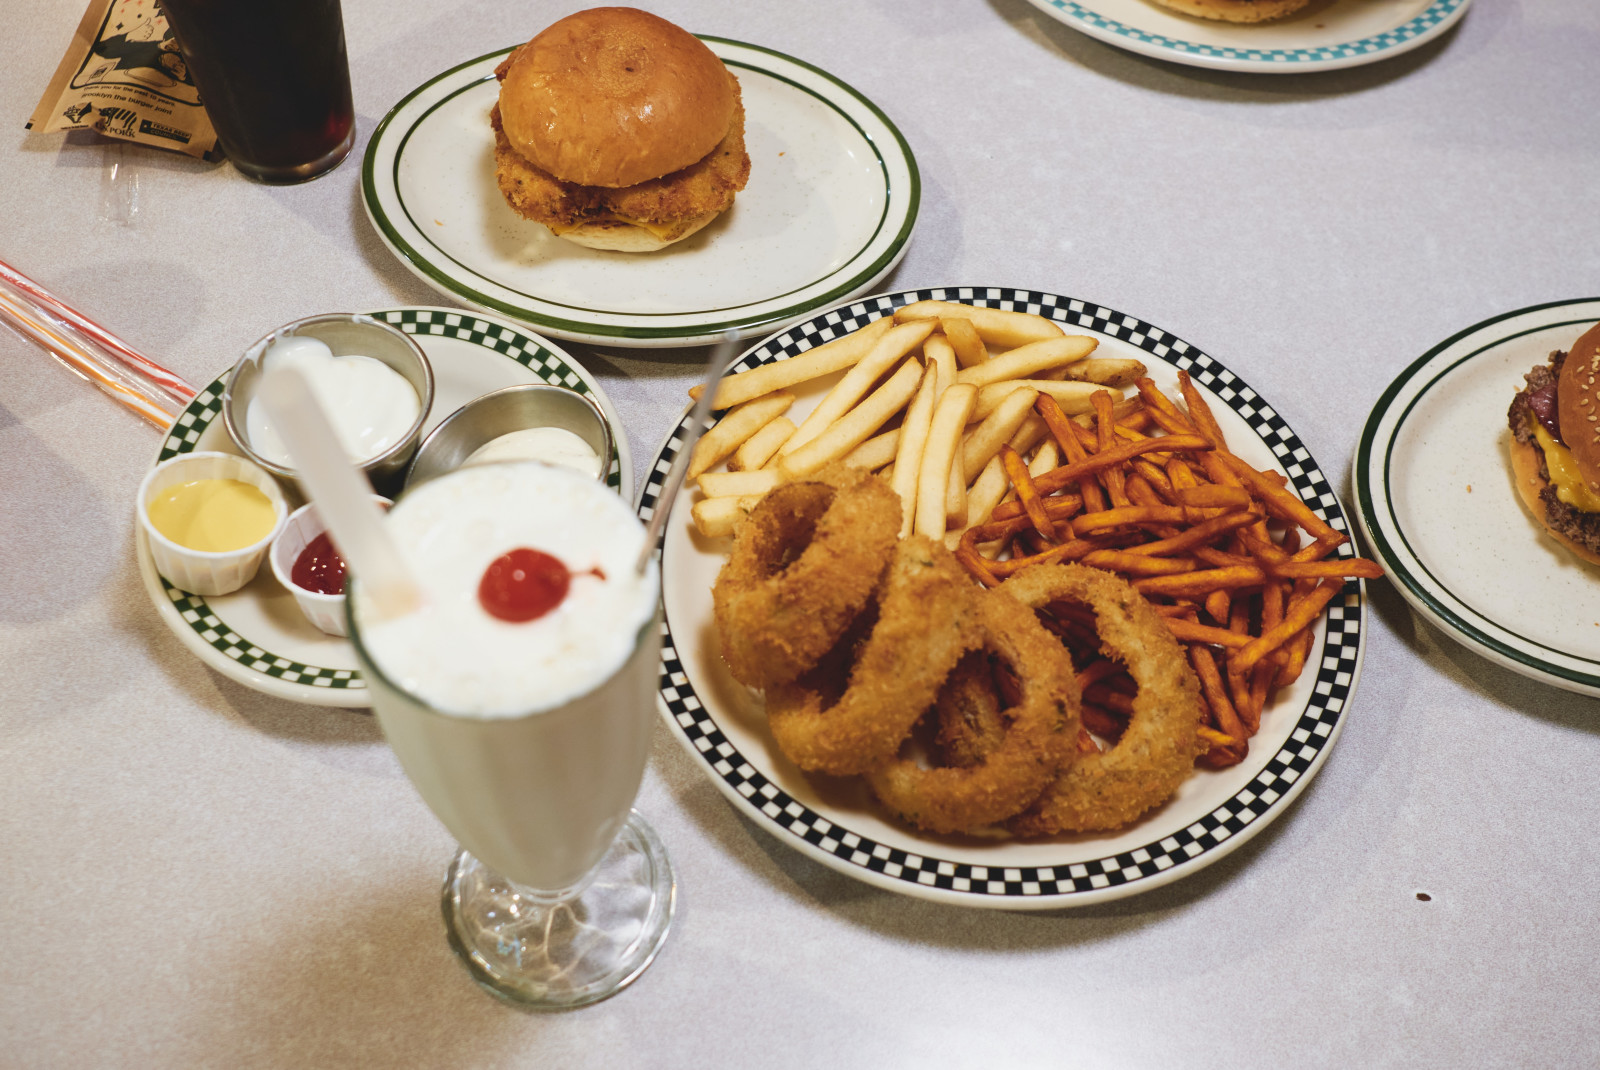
(1555, 445)
(1236, 10)
(618, 130)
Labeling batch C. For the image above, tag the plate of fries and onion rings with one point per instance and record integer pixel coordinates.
(1029, 435)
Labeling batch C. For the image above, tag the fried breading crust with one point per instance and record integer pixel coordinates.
(706, 186)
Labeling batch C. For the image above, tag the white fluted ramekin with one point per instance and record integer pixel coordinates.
(326, 611)
(201, 571)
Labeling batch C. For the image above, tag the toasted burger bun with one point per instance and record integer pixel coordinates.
(1236, 10)
(1530, 485)
(613, 97)
(1578, 404)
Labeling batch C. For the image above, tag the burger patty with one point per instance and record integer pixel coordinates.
(1537, 404)
(708, 185)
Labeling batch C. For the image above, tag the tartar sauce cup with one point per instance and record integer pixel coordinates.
(326, 611)
(207, 572)
(346, 334)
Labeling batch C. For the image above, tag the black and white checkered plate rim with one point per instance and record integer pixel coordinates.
(1225, 827)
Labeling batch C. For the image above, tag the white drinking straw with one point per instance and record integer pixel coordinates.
(721, 357)
(338, 490)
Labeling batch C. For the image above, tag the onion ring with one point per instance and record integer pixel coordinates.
(1156, 753)
(804, 563)
(1023, 762)
(925, 616)
(969, 716)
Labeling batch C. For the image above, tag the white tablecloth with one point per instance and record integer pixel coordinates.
(193, 874)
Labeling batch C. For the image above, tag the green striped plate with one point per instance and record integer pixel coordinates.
(831, 204)
(1435, 500)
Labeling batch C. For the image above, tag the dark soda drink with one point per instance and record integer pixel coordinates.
(274, 79)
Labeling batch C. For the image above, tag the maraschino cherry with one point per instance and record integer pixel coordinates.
(523, 585)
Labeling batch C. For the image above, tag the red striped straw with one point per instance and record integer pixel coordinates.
(168, 381)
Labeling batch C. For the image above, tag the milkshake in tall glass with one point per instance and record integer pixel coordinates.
(520, 699)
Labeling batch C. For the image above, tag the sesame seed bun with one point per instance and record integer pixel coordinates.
(1578, 405)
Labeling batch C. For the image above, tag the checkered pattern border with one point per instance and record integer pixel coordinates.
(1310, 735)
(197, 614)
(1366, 46)
(521, 347)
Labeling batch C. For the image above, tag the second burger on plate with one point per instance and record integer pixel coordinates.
(619, 130)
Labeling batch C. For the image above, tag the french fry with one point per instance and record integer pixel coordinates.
(735, 428)
(1204, 581)
(995, 326)
(965, 340)
(1045, 458)
(942, 358)
(955, 498)
(1138, 565)
(908, 457)
(1029, 434)
(739, 484)
(1107, 371)
(834, 355)
(715, 517)
(875, 452)
(933, 475)
(1066, 437)
(1333, 568)
(1105, 432)
(984, 441)
(1300, 614)
(1071, 396)
(760, 447)
(1027, 359)
(888, 351)
(1192, 632)
(856, 426)
(1051, 482)
(986, 492)
(1027, 493)
(1281, 502)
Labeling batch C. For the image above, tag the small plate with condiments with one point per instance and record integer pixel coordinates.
(257, 635)
(1436, 500)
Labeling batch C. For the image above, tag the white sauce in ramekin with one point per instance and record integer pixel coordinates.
(370, 405)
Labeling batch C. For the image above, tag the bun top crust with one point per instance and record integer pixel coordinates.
(1578, 397)
(614, 96)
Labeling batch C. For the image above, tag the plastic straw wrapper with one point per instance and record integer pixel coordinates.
(86, 358)
(47, 304)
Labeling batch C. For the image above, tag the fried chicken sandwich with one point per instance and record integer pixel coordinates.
(1555, 445)
(618, 130)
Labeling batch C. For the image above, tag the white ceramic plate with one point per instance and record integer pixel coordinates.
(723, 726)
(257, 636)
(1327, 35)
(1437, 504)
(831, 203)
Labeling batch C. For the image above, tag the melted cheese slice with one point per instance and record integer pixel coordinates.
(1570, 487)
